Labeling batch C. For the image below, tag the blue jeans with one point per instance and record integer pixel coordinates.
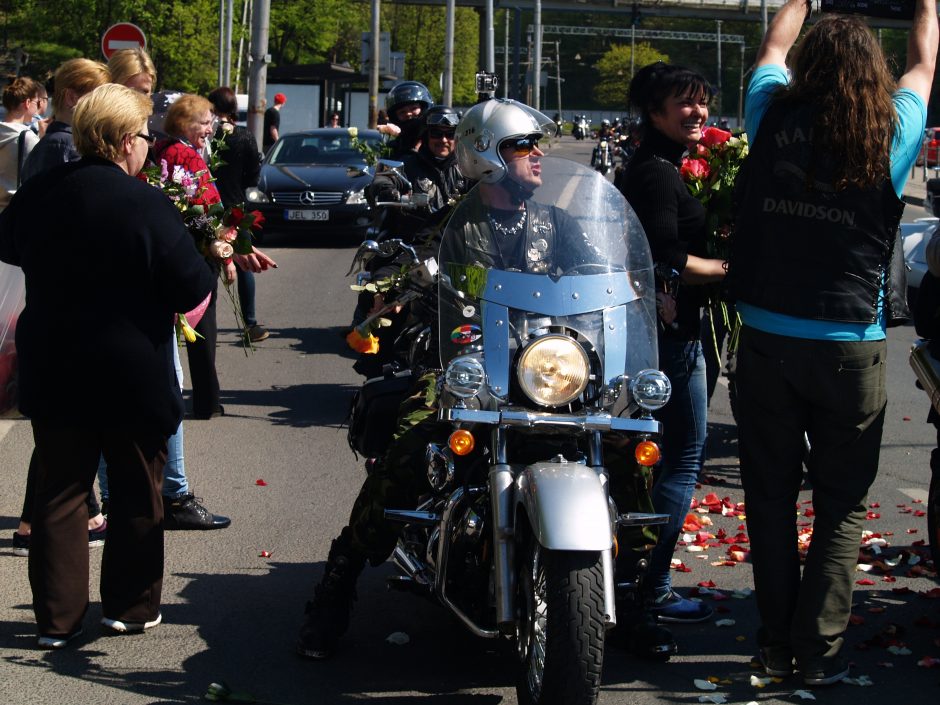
(684, 421)
(175, 483)
(246, 296)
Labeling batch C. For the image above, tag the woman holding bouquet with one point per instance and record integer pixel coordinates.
(673, 103)
(189, 124)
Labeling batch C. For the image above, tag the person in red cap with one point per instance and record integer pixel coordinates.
(272, 121)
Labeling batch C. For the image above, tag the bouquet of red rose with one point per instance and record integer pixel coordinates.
(709, 172)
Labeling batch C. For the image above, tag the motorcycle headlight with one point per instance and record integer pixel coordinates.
(553, 370)
(254, 195)
(651, 389)
(464, 377)
(356, 197)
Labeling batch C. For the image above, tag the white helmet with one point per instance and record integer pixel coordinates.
(486, 126)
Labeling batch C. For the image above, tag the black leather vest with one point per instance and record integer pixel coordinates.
(801, 247)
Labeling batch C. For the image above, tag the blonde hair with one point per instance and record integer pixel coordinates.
(104, 116)
(124, 64)
(186, 110)
(79, 75)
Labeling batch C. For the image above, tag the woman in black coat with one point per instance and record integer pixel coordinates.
(114, 392)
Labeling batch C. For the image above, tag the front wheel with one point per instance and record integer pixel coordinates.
(560, 642)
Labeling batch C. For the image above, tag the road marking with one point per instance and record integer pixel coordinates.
(914, 493)
(5, 427)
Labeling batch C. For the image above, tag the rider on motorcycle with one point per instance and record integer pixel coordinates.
(406, 105)
(497, 144)
(431, 171)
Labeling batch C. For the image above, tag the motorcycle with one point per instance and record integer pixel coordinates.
(602, 159)
(581, 128)
(543, 376)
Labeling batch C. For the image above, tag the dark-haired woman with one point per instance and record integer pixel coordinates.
(239, 170)
(673, 103)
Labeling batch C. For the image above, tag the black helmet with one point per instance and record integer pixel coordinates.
(441, 116)
(407, 92)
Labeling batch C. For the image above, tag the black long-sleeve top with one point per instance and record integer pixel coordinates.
(241, 166)
(674, 221)
(107, 262)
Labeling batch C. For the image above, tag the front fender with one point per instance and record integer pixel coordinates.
(566, 505)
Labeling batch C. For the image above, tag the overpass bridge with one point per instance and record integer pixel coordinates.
(728, 10)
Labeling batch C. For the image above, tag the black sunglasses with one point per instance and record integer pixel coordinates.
(523, 146)
(442, 134)
(149, 139)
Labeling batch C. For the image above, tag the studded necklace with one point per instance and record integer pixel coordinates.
(500, 228)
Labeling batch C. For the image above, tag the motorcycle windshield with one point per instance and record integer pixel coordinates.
(572, 259)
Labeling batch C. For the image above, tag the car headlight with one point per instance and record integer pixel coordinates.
(356, 197)
(651, 389)
(553, 370)
(464, 377)
(254, 195)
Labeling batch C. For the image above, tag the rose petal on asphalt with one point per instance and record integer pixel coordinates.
(261, 483)
(863, 681)
(724, 623)
(804, 694)
(398, 638)
(703, 684)
(899, 650)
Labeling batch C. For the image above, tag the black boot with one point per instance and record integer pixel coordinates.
(640, 632)
(328, 613)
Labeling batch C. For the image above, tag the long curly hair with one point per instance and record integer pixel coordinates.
(840, 70)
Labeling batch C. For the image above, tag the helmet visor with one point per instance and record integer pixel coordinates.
(447, 120)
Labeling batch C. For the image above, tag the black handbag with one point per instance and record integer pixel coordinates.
(373, 415)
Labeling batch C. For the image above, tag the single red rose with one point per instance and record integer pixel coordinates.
(712, 136)
(235, 216)
(258, 221)
(694, 169)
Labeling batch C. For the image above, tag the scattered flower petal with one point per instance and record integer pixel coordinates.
(863, 681)
(865, 581)
(702, 684)
(804, 694)
(398, 638)
(724, 623)
(899, 650)
(261, 483)
(265, 554)
(759, 682)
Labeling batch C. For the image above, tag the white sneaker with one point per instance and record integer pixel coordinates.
(58, 642)
(130, 627)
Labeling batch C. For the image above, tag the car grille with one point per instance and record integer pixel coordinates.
(320, 198)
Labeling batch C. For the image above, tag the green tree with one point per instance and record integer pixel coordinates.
(614, 71)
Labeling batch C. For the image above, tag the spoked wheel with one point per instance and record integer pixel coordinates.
(560, 643)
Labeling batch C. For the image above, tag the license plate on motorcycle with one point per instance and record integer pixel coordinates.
(306, 215)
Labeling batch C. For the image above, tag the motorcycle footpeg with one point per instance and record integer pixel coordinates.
(641, 519)
(402, 583)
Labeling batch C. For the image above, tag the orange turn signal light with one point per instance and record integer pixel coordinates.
(461, 442)
(647, 453)
(616, 548)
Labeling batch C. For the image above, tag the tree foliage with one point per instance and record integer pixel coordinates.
(614, 71)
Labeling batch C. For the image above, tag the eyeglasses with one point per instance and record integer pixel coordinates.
(523, 146)
(441, 134)
(149, 139)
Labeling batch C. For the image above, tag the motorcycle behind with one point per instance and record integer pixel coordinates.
(603, 157)
(545, 399)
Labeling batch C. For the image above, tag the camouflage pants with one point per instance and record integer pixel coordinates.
(398, 479)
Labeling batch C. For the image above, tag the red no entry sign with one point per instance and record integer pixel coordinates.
(123, 35)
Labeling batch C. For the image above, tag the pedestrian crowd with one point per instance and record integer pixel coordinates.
(831, 133)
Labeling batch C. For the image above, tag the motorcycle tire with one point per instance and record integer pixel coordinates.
(560, 644)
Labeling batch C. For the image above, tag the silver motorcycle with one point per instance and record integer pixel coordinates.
(547, 369)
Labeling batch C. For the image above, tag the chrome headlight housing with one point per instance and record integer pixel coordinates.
(553, 370)
(650, 389)
(464, 377)
(255, 195)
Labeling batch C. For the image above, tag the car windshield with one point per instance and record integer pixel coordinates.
(334, 148)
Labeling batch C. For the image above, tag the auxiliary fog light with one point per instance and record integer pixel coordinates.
(461, 442)
(553, 370)
(647, 453)
(651, 389)
(465, 377)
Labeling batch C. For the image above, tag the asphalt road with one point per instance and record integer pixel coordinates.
(278, 464)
